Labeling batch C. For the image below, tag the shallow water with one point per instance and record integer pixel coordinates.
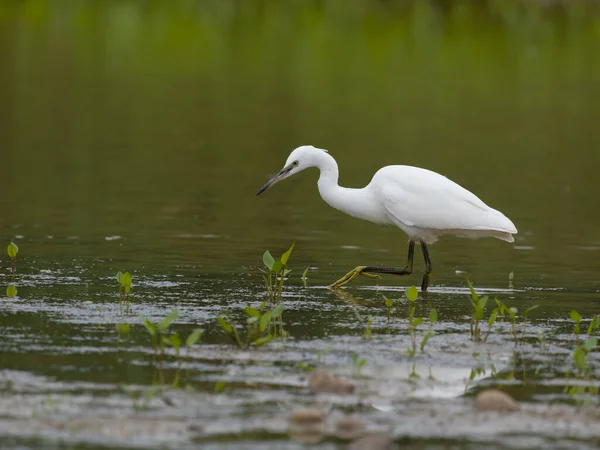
(134, 138)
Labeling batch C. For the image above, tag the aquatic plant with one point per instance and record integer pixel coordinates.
(413, 322)
(275, 273)
(161, 338)
(124, 280)
(357, 363)
(478, 304)
(367, 334)
(12, 250)
(304, 277)
(582, 392)
(261, 327)
(388, 304)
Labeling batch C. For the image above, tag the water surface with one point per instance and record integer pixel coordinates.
(134, 136)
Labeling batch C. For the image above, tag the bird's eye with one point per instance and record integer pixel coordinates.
(295, 164)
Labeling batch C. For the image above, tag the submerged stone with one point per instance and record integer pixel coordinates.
(349, 427)
(377, 441)
(322, 380)
(307, 426)
(495, 400)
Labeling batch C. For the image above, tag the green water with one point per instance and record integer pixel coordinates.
(134, 136)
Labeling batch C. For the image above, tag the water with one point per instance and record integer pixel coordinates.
(134, 136)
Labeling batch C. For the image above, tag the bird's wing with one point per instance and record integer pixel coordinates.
(425, 199)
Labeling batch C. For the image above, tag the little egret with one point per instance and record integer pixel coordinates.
(422, 203)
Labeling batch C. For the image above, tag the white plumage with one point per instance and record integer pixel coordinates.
(424, 204)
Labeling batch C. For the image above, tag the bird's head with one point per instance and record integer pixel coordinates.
(300, 159)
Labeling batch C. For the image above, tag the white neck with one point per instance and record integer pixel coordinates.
(354, 202)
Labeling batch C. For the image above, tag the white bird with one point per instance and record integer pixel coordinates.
(422, 203)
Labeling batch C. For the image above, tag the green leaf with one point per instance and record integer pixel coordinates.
(388, 302)
(126, 279)
(474, 296)
(286, 255)
(531, 308)
(123, 328)
(193, 337)
(220, 385)
(251, 320)
(277, 266)
(226, 327)
(575, 316)
(268, 260)
(264, 321)
(357, 314)
(433, 316)
(594, 325)
(263, 340)
(480, 307)
(305, 272)
(12, 250)
(168, 320)
(579, 358)
(412, 293)
(426, 338)
(277, 311)
(590, 344)
(492, 318)
(418, 321)
(252, 312)
(149, 326)
(11, 290)
(175, 340)
(511, 276)
(119, 277)
(286, 271)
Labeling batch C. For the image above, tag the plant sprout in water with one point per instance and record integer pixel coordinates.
(162, 338)
(413, 322)
(367, 334)
(124, 280)
(260, 327)
(584, 392)
(275, 273)
(12, 250)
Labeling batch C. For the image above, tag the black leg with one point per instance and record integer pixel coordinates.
(407, 270)
(428, 268)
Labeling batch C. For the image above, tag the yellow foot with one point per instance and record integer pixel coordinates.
(350, 276)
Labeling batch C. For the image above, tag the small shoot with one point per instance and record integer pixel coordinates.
(388, 304)
(367, 334)
(261, 326)
(357, 363)
(304, 275)
(124, 280)
(413, 322)
(525, 313)
(576, 318)
(12, 251)
(479, 304)
(433, 317)
(275, 273)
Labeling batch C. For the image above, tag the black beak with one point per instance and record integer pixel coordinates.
(277, 178)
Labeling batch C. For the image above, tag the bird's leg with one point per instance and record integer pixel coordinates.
(428, 268)
(371, 271)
